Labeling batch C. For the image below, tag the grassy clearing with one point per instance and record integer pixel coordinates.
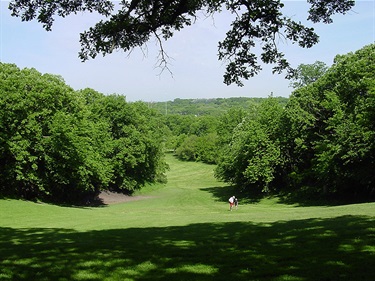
(184, 231)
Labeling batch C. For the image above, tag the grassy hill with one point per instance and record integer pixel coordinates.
(184, 231)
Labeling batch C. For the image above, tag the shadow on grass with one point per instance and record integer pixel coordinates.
(315, 249)
(310, 197)
(305, 198)
(222, 194)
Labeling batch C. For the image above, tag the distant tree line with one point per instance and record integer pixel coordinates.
(203, 126)
(213, 106)
(64, 145)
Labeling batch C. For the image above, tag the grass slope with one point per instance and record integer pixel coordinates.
(184, 231)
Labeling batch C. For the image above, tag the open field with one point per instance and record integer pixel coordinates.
(184, 231)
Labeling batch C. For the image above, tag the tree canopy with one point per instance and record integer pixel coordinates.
(61, 144)
(308, 73)
(322, 142)
(130, 24)
(64, 145)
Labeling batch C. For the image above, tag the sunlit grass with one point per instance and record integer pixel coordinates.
(185, 231)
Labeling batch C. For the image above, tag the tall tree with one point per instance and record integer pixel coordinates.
(48, 142)
(331, 135)
(132, 23)
(322, 141)
(253, 155)
(308, 73)
(136, 155)
(63, 145)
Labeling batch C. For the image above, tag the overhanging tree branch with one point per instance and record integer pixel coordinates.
(134, 22)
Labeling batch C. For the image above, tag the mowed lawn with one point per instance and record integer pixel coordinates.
(183, 230)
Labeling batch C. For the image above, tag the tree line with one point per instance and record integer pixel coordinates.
(64, 145)
(209, 106)
(321, 142)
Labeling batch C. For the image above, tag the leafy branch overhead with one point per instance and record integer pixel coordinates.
(130, 24)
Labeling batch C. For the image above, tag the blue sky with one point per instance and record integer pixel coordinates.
(197, 73)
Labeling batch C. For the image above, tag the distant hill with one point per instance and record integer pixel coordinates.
(214, 106)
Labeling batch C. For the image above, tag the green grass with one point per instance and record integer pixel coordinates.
(184, 231)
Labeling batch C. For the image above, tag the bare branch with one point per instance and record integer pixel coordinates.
(163, 58)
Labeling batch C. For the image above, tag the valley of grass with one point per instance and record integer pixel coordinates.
(183, 230)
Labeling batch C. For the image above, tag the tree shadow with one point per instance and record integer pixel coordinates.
(222, 194)
(314, 249)
(303, 198)
(310, 197)
(88, 201)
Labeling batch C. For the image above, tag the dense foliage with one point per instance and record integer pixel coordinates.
(203, 126)
(192, 138)
(323, 141)
(63, 145)
(256, 25)
(214, 106)
(307, 74)
(252, 152)
(334, 142)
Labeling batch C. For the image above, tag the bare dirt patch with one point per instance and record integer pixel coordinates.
(110, 197)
